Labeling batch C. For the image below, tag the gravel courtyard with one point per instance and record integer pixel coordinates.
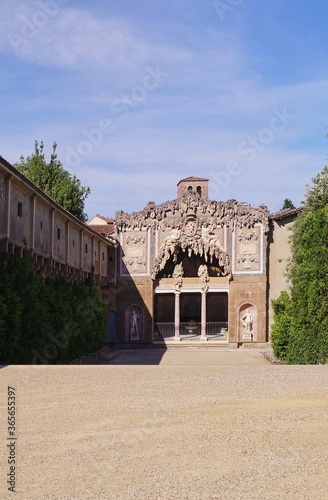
(223, 425)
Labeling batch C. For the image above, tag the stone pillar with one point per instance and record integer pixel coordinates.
(67, 244)
(32, 235)
(52, 231)
(177, 316)
(203, 318)
(7, 208)
(81, 250)
(93, 246)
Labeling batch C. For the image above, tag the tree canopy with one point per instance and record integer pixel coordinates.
(54, 180)
(287, 204)
(300, 331)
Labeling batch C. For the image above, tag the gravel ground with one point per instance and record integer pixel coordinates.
(235, 427)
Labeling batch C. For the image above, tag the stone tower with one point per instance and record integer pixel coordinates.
(194, 185)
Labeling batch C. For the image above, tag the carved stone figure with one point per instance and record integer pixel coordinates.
(247, 321)
(134, 323)
(177, 276)
(203, 274)
(230, 213)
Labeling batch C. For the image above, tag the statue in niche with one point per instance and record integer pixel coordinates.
(247, 322)
(134, 323)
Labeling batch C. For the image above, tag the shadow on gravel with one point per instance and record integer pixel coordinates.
(138, 357)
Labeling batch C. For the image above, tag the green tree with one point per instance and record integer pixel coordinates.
(280, 330)
(305, 316)
(287, 204)
(54, 180)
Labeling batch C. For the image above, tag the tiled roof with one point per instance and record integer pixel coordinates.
(102, 228)
(106, 219)
(187, 179)
(287, 212)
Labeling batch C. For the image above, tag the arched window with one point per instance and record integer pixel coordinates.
(199, 190)
(190, 189)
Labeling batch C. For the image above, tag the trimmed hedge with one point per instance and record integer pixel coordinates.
(300, 330)
(44, 320)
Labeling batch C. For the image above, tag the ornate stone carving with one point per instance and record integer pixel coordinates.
(205, 244)
(177, 276)
(135, 240)
(203, 274)
(249, 236)
(190, 226)
(134, 253)
(172, 214)
(248, 248)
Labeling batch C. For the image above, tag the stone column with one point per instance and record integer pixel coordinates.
(67, 244)
(32, 233)
(203, 318)
(7, 210)
(81, 252)
(177, 316)
(52, 231)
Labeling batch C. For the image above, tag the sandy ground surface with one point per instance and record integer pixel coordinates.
(222, 425)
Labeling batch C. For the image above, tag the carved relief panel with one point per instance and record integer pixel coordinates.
(134, 253)
(208, 234)
(248, 250)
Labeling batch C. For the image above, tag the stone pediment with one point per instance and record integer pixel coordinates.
(173, 214)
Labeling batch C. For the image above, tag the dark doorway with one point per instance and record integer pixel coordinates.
(217, 307)
(190, 307)
(164, 307)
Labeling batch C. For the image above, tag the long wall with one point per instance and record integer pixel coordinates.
(279, 253)
(60, 243)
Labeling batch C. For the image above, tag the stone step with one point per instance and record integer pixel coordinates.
(173, 344)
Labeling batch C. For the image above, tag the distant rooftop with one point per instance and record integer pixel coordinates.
(287, 212)
(187, 179)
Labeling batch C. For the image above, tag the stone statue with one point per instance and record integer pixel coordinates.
(247, 321)
(134, 323)
(203, 274)
(177, 275)
(230, 214)
(175, 235)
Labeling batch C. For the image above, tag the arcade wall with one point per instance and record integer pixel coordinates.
(59, 242)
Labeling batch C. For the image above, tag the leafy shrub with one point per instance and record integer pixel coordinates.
(47, 320)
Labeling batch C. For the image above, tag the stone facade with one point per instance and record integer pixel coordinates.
(59, 243)
(188, 267)
(193, 265)
(279, 253)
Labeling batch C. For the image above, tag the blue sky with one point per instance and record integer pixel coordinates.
(140, 94)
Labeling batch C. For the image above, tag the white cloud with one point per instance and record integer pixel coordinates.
(76, 39)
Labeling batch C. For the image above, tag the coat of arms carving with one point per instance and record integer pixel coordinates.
(190, 227)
